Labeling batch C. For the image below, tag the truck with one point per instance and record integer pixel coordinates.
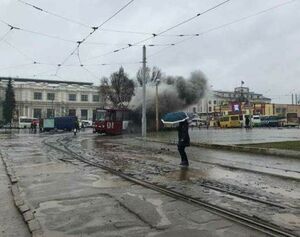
(66, 123)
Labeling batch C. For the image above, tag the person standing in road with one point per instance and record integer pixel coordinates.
(183, 141)
(247, 121)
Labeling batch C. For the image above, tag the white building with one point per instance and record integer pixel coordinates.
(46, 98)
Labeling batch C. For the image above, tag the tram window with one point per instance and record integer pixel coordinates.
(125, 115)
(110, 116)
(119, 116)
(100, 115)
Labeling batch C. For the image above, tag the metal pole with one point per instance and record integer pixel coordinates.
(156, 106)
(144, 125)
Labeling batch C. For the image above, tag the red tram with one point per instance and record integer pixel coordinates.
(112, 121)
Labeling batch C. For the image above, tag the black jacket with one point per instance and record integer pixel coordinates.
(183, 134)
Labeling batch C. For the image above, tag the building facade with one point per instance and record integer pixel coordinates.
(215, 100)
(47, 98)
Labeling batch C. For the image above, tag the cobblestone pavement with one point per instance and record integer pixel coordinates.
(69, 198)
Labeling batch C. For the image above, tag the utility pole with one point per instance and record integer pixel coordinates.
(292, 99)
(156, 105)
(144, 121)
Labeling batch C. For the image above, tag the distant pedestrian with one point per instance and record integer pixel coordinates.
(183, 141)
(247, 121)
(76, 126)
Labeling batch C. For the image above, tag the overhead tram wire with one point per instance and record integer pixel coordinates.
(54, 36)
(94, 29)
(70, 40)
(164, 31)
(4, 36)
(224, 25)
(81, 23)
(20, 52)
(54, 14)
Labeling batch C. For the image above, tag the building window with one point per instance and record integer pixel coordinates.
(209, 102)
(194, 109)
(50, 113)
(96, 98)
(84, 98)
(215, 102)
(72, 97)
(50, 96)
(38, 96)
(72, 112)
(37, 113)
(209, 109)
(84, 114)
(94, 115)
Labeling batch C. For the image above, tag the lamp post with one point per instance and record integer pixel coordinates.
(156, 104)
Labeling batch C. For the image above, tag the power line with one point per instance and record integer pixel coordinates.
(19, 51)
(81, 23)
(164, 31)
(54, 14)
(4, 36)
(94, 29)
(54, 36)
(224, 25)
(16, 66)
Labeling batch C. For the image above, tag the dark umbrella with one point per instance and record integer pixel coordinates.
(174, 117)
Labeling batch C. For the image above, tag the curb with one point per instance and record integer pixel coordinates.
(21, 204)
(240, 148)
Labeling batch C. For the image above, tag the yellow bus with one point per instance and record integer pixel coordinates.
(230, 121)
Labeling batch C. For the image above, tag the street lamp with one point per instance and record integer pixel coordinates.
(156, 104)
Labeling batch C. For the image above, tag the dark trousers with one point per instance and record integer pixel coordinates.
(183, 155)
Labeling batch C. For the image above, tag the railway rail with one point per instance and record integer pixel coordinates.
(249, 221)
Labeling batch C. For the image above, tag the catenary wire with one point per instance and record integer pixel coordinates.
(4, 36)
(192, 36)
(19, 51)
(92, 32)
(54, 14)
(162, 32)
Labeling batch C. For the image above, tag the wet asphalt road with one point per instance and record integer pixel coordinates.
(236, 136)
(267, 178)
(57, 189)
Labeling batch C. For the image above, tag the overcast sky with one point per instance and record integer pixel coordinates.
(263, 51)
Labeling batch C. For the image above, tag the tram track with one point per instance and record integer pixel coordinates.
(220, 162)
(250, 221)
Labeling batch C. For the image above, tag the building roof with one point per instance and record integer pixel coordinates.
(46, 81)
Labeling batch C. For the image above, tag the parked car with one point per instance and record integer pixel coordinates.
(86, 123)
(8, 125)
(197, 122)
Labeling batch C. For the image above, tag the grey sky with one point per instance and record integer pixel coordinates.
(263, 51)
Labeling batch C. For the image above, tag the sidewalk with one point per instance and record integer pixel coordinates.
(11, 222)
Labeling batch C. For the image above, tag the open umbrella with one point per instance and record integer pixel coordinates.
(174, 117)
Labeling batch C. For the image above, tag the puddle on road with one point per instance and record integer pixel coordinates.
(186, 174)
(289, 220)
(283, 191)
(208, 173)
(158, 203)
(101, 182)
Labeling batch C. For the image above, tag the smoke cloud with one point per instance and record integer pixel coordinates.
(175, 93)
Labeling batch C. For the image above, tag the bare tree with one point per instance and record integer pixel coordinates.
(104, 91)
(151, 75)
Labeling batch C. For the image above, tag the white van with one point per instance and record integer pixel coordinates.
(256, 121)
